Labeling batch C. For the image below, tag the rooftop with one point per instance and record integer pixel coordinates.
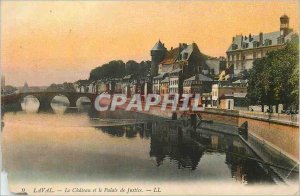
(201, 77)
(166, 80)
(158, 46)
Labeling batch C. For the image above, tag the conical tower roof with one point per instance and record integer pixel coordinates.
(158, 46)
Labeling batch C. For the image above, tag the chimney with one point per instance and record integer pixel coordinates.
(250, 37)
(242, 39)
(261, 38)
(232, 39)
(172, 48)
(197, 77)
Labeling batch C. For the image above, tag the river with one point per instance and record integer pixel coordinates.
(78, 146)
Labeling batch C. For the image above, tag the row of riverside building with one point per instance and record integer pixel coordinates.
(186, 70)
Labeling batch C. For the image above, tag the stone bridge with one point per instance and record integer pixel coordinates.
(45, 98)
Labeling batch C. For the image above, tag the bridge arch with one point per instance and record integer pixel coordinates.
(83, 99)
(34, 102)
(54, 97)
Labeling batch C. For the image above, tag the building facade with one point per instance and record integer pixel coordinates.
(197, 84)
(225, 90)
(244, 50)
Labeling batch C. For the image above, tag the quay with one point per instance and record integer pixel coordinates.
(269, 135)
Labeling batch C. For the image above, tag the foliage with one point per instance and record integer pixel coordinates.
(64, 87)
(274, 79)
(118, 69)
(113, 69)
(9, 89)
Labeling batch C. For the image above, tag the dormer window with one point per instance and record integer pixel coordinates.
(245, 45)
(268, 42)
(255, 44)
(234, 46)
(280, 40)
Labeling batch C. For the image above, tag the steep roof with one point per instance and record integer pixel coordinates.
(171, 56)
(188, 50)
(158, 46)
(240, 39)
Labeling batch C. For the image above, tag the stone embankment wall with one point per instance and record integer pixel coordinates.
(278, 131)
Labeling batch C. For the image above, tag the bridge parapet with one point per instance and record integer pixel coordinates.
(45, 98)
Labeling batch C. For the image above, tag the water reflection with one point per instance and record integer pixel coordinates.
(30, 104)
(184, 148)
(59, 104)
(84, 145)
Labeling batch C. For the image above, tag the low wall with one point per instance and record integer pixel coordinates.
(280, 132)
(282, 137)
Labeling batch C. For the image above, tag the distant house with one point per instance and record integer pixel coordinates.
(165, 86)
(92, 87)
(197, 84)
(82, 86)
(243, 50)
(156, 84)
(185, 57)
(225, 90)
(179, 64)
(226, 101)
(175, 81)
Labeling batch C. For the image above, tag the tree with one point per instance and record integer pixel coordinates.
(113, 69)
(274, 79)
(118, 69)
(65, 87)
(9, 89)
(132, 68)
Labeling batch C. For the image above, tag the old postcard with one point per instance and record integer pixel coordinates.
(149, 97)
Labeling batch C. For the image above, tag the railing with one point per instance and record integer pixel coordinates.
(281, 118)
(294, 118)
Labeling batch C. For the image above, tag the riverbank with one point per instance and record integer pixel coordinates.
(268, 135)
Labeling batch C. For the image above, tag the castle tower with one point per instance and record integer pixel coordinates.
(284, 25)
(157, 55)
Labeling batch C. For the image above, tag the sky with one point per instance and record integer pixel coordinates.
(45, 42)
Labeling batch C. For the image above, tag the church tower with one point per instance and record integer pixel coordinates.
(157, 55)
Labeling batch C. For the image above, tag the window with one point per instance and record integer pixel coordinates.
(234, 47)
(255, 44)
(268, 42)
(245, 45)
